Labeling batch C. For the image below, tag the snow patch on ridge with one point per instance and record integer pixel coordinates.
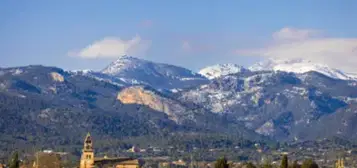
(301, 66)
(219, 70)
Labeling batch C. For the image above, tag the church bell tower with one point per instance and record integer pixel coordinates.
(87, 158)
(340, 163)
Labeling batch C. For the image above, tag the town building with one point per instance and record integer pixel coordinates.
(340, 163)
(44, 160)
(88, 159)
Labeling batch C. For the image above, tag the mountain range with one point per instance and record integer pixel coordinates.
(276, 100)
(302, 66)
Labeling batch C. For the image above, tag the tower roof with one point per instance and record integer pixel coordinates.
(88, 143)
(88, 139)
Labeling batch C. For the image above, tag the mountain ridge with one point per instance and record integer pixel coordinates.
(276, 104)
(257, 104)
(301, 66)
(157, 75)
(50, 106)
(219, 70)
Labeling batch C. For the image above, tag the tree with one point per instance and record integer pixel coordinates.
(14, 162)
(296, 165)
(284, 162)
(221, 163)
(314, 165)
(267, 165)
(250, 165)
(309, 164)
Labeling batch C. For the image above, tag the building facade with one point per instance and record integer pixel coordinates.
(340, 163)
(88, 159)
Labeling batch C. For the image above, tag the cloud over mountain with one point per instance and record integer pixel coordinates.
(293, 34)
(112, 47)
(292, 43)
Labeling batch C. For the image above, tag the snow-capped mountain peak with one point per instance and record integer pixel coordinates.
(158, 75)
(83, 71)
(122, 63)
(301, 66)
(219, 70)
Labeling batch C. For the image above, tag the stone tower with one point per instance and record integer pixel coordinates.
(340, 163)
(87, 158)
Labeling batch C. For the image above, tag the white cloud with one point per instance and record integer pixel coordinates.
(113, 47)
(338, 53)
(289, 33)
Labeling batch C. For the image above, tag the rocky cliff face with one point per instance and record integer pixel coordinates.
(57, 77)
(140, 95)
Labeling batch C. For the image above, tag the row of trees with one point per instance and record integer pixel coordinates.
(14, 161)
(309, 163)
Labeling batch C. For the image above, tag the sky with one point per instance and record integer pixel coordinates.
(89, 34)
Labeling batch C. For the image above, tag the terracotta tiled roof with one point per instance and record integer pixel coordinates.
(51, 160)
(120, 159)
(117, 160)
(131, 162)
